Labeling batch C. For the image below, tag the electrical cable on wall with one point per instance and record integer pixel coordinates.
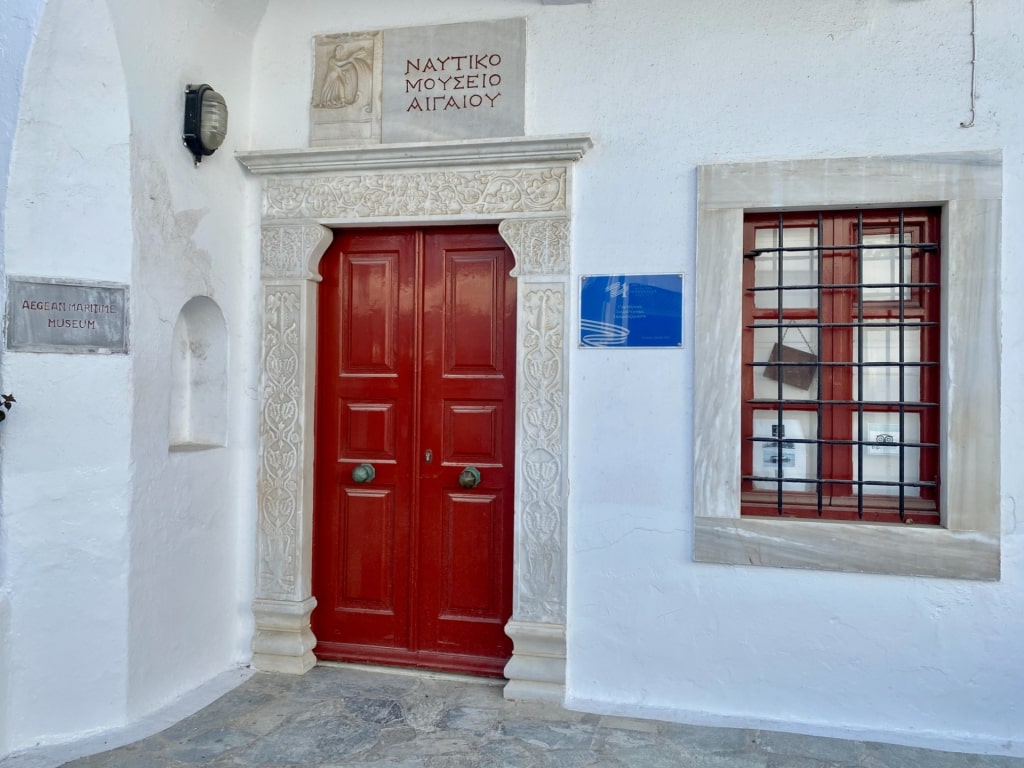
(974, 65)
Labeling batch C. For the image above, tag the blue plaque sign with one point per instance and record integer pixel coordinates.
(631, 311)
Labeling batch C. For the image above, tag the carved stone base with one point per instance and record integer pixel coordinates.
(283, 641)
(536, 671)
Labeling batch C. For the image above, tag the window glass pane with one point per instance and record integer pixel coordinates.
(882, 265)
(882, 457)
(798, 268)
(780, 457)
(799, 345)
(882, 383)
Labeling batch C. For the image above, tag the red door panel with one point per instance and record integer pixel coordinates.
(364, 411)
(416, 378)
(471, 544)
(469, 386)
(366, 536)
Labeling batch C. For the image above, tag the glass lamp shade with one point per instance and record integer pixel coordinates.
(206, 121)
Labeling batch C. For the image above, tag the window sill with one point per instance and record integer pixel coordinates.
(826, 545)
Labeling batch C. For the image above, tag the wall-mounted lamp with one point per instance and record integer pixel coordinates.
(206, 121)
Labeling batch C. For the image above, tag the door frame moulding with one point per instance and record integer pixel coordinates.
(523, 184)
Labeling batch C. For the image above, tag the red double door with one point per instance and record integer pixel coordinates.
(412, 538)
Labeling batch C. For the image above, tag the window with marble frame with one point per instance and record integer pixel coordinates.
(965, 191)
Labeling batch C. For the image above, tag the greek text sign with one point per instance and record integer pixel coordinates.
(452, 81)
(631, 311)
(455, 81)
(45, 315)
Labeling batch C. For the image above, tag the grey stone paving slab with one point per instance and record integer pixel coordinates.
(352, 717)
(792, 745)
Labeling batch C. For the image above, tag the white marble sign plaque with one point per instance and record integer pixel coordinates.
(414, 84)
(47, 315)
(455, 81)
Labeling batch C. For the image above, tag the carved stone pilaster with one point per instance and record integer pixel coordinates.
(541, 485)
(537, 628)
(283, 641)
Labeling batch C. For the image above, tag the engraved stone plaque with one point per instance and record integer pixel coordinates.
(47, 315)
(455, 81)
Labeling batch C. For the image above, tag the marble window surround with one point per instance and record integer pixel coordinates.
(524, 185)
(968, 187)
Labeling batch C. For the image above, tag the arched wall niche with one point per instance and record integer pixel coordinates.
(524, 185)
(199, 377)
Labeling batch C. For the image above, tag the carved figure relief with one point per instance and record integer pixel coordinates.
(348, 78)
(345, 103)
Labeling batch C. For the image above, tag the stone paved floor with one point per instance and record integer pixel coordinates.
(351, 716)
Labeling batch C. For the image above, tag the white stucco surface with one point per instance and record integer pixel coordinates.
(18, 21)
(66, 463)
(191, 535)
(127, 570)
(661, 89)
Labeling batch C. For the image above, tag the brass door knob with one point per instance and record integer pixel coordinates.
(364, 473)
(470, 477)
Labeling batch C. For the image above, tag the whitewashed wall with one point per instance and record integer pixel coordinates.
(127, 568)
(18, 19)
(66, 463)
(664, 86)
(192, 527)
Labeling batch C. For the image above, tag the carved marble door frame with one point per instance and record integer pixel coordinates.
(524, 184)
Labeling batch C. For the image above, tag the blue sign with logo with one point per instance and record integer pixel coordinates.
(631, 311)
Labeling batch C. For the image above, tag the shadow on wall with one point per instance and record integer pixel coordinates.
(199, 381)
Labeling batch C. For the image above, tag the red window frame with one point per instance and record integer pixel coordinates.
(833, 322)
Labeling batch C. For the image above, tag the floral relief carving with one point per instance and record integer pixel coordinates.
(285, 250)
(542, 497)
(280, 441)
(433, 193)
(541, 245)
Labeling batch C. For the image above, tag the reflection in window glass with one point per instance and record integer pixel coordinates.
(882, 382)
(798, 268)
(882, 265)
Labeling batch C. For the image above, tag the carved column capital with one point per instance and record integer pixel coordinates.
(291, 250)
(541, 246)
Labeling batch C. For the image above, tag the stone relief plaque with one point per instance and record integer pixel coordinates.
(453, 81)
(47, 315)
(345, 105)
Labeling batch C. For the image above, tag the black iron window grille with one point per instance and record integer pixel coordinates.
(841, 379)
